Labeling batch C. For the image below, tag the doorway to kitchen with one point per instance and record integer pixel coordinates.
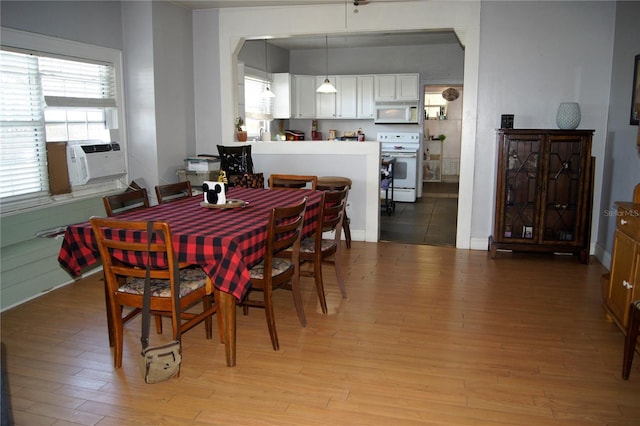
(432, 219)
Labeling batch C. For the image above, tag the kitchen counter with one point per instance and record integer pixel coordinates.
(359, 161)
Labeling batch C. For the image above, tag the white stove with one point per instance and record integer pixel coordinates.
(406, 147)
(399, 141)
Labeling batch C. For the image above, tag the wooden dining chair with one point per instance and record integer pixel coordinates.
(318, 250)
(126, 201)
(173, 192)
(125, 282)
(274, 272)
(284, 181)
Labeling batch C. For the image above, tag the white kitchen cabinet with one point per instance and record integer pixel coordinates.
(325, 102)
(281, 87)
(407, 87)
(347, 96)
(385, 87)
(397, 87)
(305, 96)
(365, 103)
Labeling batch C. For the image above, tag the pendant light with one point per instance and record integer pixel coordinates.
(326, 87)
(267, 93)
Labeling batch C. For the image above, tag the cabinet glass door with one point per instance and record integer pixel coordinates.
(562, 195)
(521, 185)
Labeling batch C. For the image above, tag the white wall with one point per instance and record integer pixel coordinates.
(160, 98)
(139, 76)
(173, 70)
(531, 59)
(621, 170)
(238, 24)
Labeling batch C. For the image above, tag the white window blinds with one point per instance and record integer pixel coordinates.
(31, 85)
(256, 106)
(23, 157)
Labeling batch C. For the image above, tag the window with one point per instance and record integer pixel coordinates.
(434, 106)
(258, 110)
(48, 98)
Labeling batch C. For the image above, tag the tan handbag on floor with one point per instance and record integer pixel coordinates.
(158, 363)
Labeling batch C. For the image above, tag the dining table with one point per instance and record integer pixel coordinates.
(224, 242)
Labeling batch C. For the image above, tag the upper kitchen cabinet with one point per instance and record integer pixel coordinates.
(365, 103)
(305, 96)
(347, 96)
(282, 90)
(397, 87)
(325, 102)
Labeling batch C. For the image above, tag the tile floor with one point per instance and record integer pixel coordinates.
(429, 221)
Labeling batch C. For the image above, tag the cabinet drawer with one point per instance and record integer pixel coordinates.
(628, 220)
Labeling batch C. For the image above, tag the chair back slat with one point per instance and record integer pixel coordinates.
(125, 202)
(285, 227)
(286, 181)
(123, 256)
(173, 192)
(333, 209)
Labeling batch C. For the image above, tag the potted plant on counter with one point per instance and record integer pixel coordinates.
(241, 133)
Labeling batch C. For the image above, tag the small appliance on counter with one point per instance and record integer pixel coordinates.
(203, 163)
(294, 135)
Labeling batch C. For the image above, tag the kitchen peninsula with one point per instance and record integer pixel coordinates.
(359, 161)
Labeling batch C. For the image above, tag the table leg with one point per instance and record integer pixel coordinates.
(228, 307)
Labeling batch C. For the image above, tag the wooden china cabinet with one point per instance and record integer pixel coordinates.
(544, 192)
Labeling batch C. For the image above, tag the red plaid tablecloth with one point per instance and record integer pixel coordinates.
(225, 243)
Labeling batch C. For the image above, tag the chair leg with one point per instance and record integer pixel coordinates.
(271, 321)
(118, 333)
(347, 229)
(108, 308)
(297, 298)
(158, 324)
(317, 275)
(208, 321)
(630, 340)
(339, 275)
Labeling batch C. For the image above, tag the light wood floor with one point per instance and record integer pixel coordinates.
(428, 335)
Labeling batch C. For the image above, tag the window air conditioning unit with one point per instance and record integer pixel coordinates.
(92, 161)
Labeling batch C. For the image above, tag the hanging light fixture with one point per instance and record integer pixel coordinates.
(326, 87)
(267, 93)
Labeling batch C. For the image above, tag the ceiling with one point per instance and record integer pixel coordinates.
(216, 4)
(382, 39)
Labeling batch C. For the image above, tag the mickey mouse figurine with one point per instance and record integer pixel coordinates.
(212, 193)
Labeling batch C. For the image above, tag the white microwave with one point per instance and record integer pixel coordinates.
(396, 112)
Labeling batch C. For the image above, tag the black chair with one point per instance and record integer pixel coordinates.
(235, 161)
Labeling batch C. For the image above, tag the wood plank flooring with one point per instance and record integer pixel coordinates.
(428, 336)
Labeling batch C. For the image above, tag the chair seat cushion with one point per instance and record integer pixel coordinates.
(308, 245)
(278, 266)
(191, 279)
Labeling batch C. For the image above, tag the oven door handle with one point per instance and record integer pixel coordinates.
(403, 155)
